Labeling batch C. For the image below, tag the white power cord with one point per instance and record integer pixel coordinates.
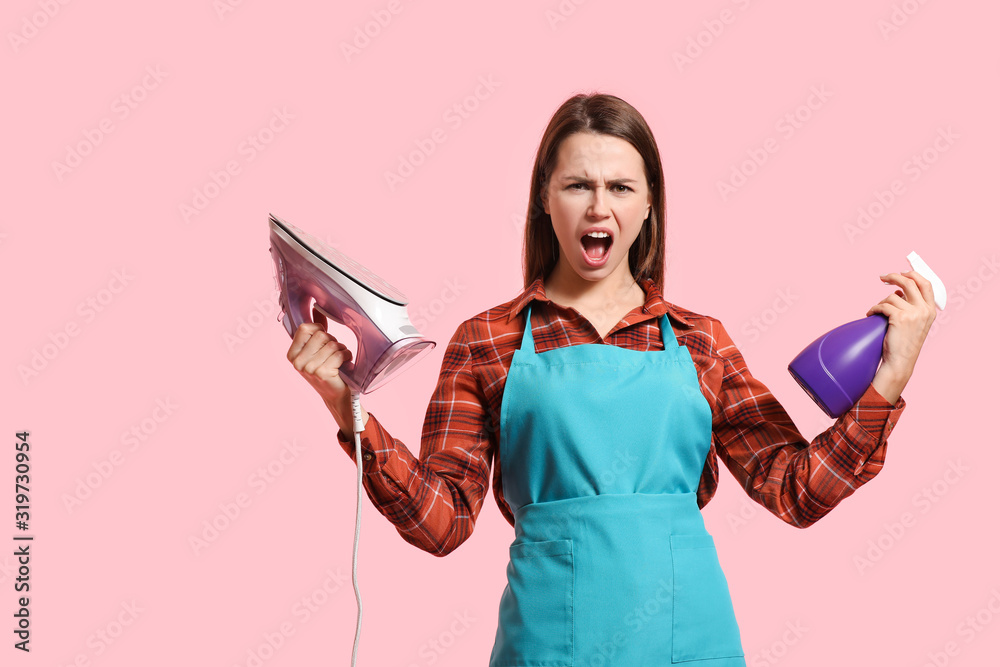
(358, 427)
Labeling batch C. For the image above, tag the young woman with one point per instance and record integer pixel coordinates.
(606, 409)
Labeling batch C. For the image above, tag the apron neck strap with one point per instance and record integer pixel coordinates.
(527, 339)
(666, 333)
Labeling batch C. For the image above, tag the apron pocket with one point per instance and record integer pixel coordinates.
(536, 609)
(704, 623)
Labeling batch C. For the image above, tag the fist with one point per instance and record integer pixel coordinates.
(318, 356)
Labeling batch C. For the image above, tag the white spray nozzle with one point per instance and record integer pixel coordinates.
(920, 266)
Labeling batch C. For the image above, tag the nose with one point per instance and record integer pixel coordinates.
(598, 204)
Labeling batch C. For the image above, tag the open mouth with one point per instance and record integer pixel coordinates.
(596, 247)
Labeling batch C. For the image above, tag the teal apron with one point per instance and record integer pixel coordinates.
(601, 453)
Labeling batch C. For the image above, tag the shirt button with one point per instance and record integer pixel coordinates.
(367, 457)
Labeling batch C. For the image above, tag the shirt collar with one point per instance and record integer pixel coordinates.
(655, 304)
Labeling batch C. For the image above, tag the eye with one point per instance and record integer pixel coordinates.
(624, 188)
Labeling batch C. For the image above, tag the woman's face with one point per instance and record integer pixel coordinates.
(599, 183)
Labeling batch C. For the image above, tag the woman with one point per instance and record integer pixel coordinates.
(605, 409)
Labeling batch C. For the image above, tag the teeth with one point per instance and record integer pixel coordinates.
(599, 235)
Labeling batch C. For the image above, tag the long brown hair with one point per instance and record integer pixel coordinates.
(601, 114)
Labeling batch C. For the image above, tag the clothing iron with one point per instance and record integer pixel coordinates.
(310, 274)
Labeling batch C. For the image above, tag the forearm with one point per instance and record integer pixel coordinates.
(433, 500)
(799, 480)
(889, 383)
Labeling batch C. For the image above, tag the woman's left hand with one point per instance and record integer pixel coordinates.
(911, 311)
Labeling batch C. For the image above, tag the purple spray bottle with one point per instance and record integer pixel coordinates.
(836, 368)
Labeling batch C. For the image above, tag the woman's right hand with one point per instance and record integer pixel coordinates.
(317, 356)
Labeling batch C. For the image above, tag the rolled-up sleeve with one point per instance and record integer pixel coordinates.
(796, 480)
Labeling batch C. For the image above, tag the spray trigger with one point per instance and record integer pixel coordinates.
(920, 266)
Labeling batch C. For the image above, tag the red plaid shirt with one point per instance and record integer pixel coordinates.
(434, 500)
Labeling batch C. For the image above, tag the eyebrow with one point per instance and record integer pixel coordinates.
(589, 180)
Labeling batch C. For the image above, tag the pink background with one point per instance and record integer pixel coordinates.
(127, 305)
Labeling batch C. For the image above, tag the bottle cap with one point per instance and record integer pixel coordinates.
(920, 266)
